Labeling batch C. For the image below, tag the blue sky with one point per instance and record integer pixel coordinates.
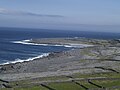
(94, 15)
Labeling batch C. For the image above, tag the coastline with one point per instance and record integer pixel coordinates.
(26, 60)
(54, 42)
(29, 42)
(79, 60)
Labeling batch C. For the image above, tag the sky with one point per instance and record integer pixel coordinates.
(90, 15)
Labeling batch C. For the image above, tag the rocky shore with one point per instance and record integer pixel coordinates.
(97, 56)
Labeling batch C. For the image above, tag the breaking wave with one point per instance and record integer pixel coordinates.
(29, 59)
(69, 45)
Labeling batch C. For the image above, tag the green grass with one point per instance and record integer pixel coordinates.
(32, 88)
(108, 83)
(108, 75)
(29, 88)
(65, 86)
(88, 85)
(73, 86)
(25, 83)
(28, 84)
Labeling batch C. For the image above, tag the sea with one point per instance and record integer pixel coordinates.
(11, 52)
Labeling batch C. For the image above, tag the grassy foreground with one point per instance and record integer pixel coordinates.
(100, 81)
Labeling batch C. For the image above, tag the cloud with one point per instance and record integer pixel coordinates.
(12, 12)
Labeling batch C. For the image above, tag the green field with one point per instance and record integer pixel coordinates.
(111, 82)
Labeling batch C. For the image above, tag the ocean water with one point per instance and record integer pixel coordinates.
(11, 52)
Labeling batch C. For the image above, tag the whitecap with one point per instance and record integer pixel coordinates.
(68, 45)
(28, 43)
(29, 59)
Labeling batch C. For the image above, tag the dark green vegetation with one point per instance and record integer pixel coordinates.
(98, 81)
